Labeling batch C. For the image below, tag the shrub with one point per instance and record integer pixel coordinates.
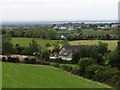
(3, 59)
(103, 73)
(66, 68)
(16, 60)
(75, 70)
(57, 65)
(115, 81)
(45, 55)
(26, 60)
(90, 71)
(85, 62)
(44, 63)
(32, 61)
(47, 45)
(9, 59)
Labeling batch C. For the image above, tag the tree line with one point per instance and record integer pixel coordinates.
(46, 32)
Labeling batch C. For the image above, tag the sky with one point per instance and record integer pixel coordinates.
(58, 10)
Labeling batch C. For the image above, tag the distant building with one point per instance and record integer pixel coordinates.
(63, 36)
(114, 25)
(63, 28)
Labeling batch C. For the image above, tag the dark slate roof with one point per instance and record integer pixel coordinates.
(66, 50)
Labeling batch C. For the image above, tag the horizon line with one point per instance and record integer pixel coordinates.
(59, 20)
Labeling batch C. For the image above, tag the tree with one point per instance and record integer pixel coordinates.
(114, 57)
(33, 47)
(19, 48)
(102, 48)
(51, 34)
(56, 47)
(107, 37)
(45, 55)
(3, 31)
(84, 63)
(76, 57)
(7, 46)
(90, 71)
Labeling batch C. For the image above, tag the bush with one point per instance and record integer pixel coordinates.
(32, 61)
(57, 65)
(26, 60)
(115, 81)
(66, 68)
(16, 60)
(3, 59)
(45, 55)
(103, 74)
(44, 63)
(84, 63)
(90, 71)
(9, 59)
(75, 70)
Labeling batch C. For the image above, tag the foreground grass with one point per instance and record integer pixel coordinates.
(34, 76)
(0, 76)
(111, 43)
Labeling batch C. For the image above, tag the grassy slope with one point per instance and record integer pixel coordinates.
(31, 76)
(111, 43)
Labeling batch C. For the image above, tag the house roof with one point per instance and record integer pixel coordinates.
(66, 50)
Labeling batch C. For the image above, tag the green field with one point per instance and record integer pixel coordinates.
(25, 42)
(98, 32)
(87, 32)
(0, 75)
(38, 76)
(111, 43)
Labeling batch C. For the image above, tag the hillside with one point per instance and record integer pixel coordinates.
(34, 76)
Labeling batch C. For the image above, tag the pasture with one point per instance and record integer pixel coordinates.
(98, 32)
(111, 43)
(39, 76)
(25, 42)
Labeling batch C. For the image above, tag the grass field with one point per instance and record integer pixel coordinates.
(111, 43)
(34, 76)
(98, 32)
(25, 42)
(0, 75)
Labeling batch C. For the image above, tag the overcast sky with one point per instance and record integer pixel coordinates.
(52, 10)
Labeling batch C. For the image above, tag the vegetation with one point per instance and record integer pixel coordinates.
(7, 45)
(32, 76)
(112, 44)
(25, 41)
(97, 58)
(92, 64)
(42, 42)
